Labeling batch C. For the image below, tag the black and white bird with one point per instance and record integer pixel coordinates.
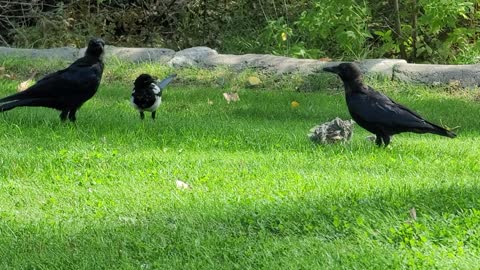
(378, 113)
(147, 93)
(65, 90)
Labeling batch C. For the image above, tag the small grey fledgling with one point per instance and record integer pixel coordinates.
(334, 131)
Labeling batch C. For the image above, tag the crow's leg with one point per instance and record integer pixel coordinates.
(378, 140)
(142, 115)
(386, 140)
(71, 115)
(153, 114)
(63, 115)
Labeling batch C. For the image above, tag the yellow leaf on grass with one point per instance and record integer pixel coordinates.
(26, 84)
(284, 36)
(254, 81)
(182, 185)
(294, 104)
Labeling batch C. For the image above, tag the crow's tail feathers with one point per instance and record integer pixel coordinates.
(8, 106)
(12, 97)
(442, 131)
(12, 105)
(166, 81)
(33, 102)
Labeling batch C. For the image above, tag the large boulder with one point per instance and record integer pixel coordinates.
(64, 53)
(465, 75)
(136, 55)
(277, 64)
(192, 57)
(380, 66)
(204, 57)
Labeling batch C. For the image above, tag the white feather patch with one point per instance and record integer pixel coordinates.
(156, 89)
(158, 101)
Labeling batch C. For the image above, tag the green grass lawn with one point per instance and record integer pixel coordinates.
(101, 193)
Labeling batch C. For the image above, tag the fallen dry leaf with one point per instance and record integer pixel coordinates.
(26, 84)
(325, 59)
(221, 81)
(254, 81)
(455, 85)
(10, 76)
(413, 213)
(231, 97)
(182, 185)
(294, 104)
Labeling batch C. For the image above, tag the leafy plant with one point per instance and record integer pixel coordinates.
(442, 31)
(340, 27)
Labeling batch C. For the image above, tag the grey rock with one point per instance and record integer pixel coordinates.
(204, 57)
(466, 75)
(192, 57)
(383, 67)
(64, 53)
(272, 63)
(380, 66)
(136, 55)
(281, 64)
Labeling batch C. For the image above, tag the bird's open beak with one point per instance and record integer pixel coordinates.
(332, 69)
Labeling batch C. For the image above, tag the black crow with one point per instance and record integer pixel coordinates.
(147, 93)
(65, 90)
(376, 112)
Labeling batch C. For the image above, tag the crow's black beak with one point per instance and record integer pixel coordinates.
(101, 42)
(98, 41)
(332, 69)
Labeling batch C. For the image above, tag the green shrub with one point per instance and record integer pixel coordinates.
(442, 31)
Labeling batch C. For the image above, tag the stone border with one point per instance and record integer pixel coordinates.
(204, 57)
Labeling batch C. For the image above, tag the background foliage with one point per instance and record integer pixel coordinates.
(440, 31)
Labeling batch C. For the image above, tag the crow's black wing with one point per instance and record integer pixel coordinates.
(78, 80)
(381, 111)
(381, 97)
